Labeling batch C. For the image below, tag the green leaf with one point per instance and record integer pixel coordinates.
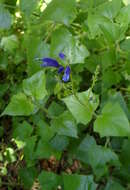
(63, 41)
(93, 23)
(51, 82)
(110, 78)
(125, 45)
(59, 142)
(3, 88)
(81, 107)
(9, 155)
(125, 153)
(99, 25)
(109, 9)
(124, 16)
(108, 58)
(88, 4)
(4, 61)
(92, 62)
(5, 18)
(20, 144)
(27, 176)
(60, 12)
(65, 125)
(112, 121)
(43, 130)
(19, 105)
(118, 97)
(35, 47)
(26, 129)
(111, 31)
(28, 7)
(78, 182)
(113, 185)
(87, 150)
(43, 49)
(4, 171)
(55, 109)
(44, 150)
(10, 43)
(29, 150)
(49, 180)
(79, 53)
(35, 86)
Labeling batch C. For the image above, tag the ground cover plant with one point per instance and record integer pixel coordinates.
(64, 94)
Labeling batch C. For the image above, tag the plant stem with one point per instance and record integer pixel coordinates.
(9, 6)
(125, 89)
(49, 33)
(107, 142)
(12, 184)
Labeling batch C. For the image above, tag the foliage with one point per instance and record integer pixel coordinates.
(65, 134)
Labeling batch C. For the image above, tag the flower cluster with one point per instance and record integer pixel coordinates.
(50, 62)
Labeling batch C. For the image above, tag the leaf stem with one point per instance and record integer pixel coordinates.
(107, 142)
(10, 6)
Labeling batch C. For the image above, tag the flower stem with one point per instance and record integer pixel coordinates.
(49, 32)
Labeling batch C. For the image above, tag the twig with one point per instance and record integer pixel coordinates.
(11, 184)
(125, 89)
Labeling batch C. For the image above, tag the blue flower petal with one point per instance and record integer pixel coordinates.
(49, 62)
(66, 75)
(62, 55)
(61, 69)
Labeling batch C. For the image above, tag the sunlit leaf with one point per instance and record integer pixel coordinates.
(112, 121)
(81, 106)
(35, 86)
(19, 105)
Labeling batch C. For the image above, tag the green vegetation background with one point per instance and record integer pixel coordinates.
(65, 136)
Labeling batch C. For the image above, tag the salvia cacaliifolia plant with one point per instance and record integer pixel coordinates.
(65, 94)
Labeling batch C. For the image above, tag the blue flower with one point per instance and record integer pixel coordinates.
(66, 75)
(62, 55)
(49, 62)
(60, 69)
